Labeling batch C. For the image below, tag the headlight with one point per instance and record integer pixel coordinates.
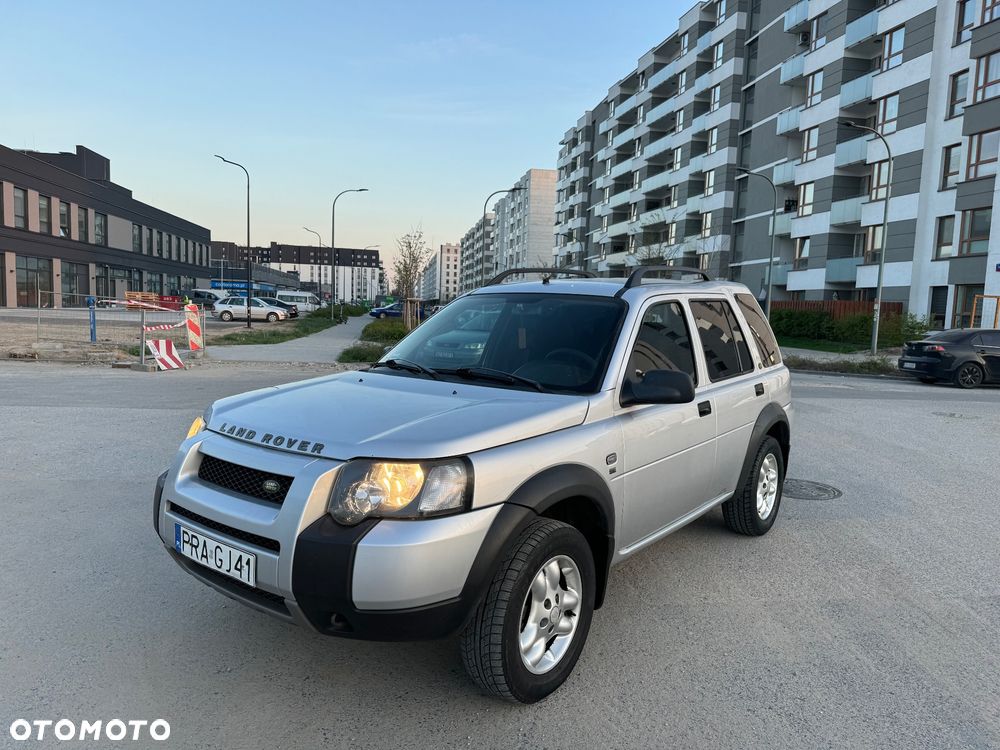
(200, 423)
(399, 489)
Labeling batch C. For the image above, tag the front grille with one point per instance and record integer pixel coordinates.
(245, 536)
(243, 479)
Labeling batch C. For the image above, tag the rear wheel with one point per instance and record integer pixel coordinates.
(754, 507)
(272, 317)
(226, 315)
(527, 633)
(969, 375)
(381, 315)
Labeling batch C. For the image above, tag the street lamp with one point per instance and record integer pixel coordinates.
(333, 242)
(774, 228)
(885, 232)
(485, 204)
(249, 260)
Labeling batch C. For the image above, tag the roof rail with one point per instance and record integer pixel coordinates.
(514, 271)
(635, 278)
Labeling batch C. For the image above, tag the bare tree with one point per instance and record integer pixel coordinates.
(411, 255)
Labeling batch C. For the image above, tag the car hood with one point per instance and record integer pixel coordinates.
(371, 414)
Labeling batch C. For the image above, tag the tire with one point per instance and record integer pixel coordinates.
(381, 316)
(272, 317)
(969, 375)
(226, 316)
(927, 379)
(490, 643)
(741, 510)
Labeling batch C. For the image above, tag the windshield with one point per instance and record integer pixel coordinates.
(561, 342)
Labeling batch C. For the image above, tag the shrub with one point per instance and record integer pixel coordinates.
(852, 329)
(353, 311)
(804, 324)
(363, 352)
(384, 331)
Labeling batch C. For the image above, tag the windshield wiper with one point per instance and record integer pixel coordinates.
(499, 376)
(408, 366)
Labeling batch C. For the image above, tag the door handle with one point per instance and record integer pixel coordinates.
(758, 389)
(704, 408)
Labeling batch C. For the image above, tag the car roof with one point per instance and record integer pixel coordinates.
(610, 286)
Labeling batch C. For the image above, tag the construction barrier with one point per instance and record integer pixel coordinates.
(193, 321)
(165, 354)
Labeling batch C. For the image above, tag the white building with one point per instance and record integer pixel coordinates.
(439, 280)
(524, 222)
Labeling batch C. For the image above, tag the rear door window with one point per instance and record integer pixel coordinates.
(760, 331)
(990, 338)
(663, 343)
(722, 341)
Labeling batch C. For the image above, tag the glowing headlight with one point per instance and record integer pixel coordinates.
(398, 489)
(200, 423)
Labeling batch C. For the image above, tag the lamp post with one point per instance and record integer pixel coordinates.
(485, 204)
(320, 241)
(774, 227)
(876, 309)
(249, 259)
(333, 242)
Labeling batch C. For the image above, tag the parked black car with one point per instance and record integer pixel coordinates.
(968, 357)
(293, 310)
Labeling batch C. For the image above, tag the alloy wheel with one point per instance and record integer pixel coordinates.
(550, 614)
(767, 486)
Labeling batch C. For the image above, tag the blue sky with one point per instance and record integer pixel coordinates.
(430, 105)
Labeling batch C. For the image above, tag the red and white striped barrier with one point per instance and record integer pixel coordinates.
(164, 327)
(165, 354)
(193, 321)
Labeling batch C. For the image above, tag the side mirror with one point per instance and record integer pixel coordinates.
(659, 387)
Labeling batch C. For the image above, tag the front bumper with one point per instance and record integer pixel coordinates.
(380, 580)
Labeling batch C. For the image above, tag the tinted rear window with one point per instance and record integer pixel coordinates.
(722, 341)
(760, 331)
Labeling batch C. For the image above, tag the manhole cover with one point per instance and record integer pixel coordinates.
(801, 489)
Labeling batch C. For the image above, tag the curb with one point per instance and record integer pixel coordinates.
(865, 375)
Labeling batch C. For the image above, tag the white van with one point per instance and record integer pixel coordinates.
(305, 301)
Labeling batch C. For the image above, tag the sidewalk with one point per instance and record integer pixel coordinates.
(818, 356)
(322, 348)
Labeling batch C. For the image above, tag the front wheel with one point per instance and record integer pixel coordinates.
(381, 316)
(226, 316)
(272, 317)
(754, 507)
(526, 635)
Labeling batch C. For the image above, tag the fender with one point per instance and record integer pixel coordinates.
(769, 416)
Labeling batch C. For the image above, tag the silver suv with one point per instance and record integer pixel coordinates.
(236, 307)
(484, 480)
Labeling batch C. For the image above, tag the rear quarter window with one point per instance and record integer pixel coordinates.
(722, 340)
(760, 331)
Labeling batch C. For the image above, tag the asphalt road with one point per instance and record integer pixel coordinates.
(870, 620)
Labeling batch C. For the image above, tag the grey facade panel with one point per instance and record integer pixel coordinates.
(985, 38)
(913, 105)
(919, 36)
(901, 241)
(982, 116)
(906, 173)
(969, 269)
(975, 193)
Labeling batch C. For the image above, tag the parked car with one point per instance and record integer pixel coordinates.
(236, 307)
(395, 310)
(205, 297)
(967, 357)
(463, 345)
(292, 310)
(491, 499)
(306, 302)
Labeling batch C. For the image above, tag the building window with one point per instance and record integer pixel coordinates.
(720, 12)
(706, 225)
(880, 181)
(677, 159)
(674, 197)
(944, 245)
(975, 231)
(64, 219)
(83, 224)
(958, 91)
(638, 148)
(611, 108)
(682, 82)
(987, 77)
(33, 281)
(20, 208)
(801, 254)
(810, 143)
(888, 113)
(814, 88)
(136, 238)
(892, 48)
(641, 116)
(949, 167)
(715, 98)
(672, 233)
(633, 211)
(101, 230)
(817, 32)
(806, 193)
(991, 10)
(966, 20)
(611, 136)
(983, 149)
(642, 81)
(685, 42)
(75, 278)
(159, 244)
(717, 52)
(709, 182)
(44, 214)
(679, 121)
(873, 243)
(713, 140)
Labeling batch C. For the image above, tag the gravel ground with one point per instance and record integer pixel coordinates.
(869, 620)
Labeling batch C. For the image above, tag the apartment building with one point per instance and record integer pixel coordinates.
(68, 232)
(525, 221)
(476, 251)
(925, 75)
(439, 281)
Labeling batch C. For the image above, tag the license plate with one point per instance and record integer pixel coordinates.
(216, 555)
(909, 365)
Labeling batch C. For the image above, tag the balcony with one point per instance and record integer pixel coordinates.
(580, 148)
(783, 225)
(658, 146)
(619, 199)
(857, 91)
(792, 68)
(797, 16)
(623, 167)
(664, 74)
(618, 229)
(780, 273)
(852, 152)
(660, 111)
(696, 164)
(839, 270)
(627, 135)
(788, 120)
(656, 181)
(577, 222)
(579, 174)
(576, 199)
(861, 29)
(656, 216)
(784, 174)
(847, 211)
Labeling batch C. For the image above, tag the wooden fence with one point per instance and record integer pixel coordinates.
(838, 309)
